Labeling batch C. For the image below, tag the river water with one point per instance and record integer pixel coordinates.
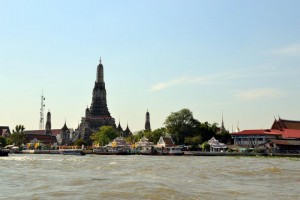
(148, 177)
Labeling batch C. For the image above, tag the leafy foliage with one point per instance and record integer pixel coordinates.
(193, 141)
(153, 136)
(18, 137)
(2, 141)
(80, 142)
(205, 146)
(19, 129)
(184, 129)
(9, 141)
(104, 135)
(207, 131)
(181, 124)
(224, 137)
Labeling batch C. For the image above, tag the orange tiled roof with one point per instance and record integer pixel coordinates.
(286, 124)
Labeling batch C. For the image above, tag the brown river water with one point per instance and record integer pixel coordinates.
(148, 177)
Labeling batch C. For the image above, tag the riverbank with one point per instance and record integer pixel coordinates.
(49, 152)
(185, 153)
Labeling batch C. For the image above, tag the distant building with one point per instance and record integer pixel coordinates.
(127, 132)
(4, 131)
(118, 142)
(144, 142)
(283, 135)
(120, 130)
(61, 136)
(147, 123)
(65, 135)
(97, 115)
(216, 146)
(165, 142)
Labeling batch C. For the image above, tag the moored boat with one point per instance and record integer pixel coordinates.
(170, 151)
(78, 152)
(3, 152)
(111, 151)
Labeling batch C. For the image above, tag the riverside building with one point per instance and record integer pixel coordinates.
(284, 135)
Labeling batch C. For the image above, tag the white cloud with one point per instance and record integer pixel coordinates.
(181, 81)
(289, 50)
(260, 93)
(202, 80)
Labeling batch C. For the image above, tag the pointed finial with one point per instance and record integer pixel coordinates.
(100, 60)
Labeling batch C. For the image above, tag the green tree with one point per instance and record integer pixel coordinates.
(224, 137)
(80, 142)
(104, 135)
(181, 124)
(154, 135)
(9, 141)
(19, 129)
(2, 141)
(193, 141)
(205, 146)
(18, 137)
(207, 131)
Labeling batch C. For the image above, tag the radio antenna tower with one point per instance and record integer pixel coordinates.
(42, 111)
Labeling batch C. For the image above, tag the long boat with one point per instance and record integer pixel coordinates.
(111, 151)
(170, 151)
(78, 152)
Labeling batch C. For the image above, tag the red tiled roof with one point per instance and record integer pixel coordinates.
(168, 141)
(291, 133)
(284, 133)
(256, 132)
(55, 132)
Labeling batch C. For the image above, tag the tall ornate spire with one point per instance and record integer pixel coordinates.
(97, 114)
(147, 123)
(99, 105)
(99, 78)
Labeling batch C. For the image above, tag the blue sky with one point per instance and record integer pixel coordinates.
(241, 57)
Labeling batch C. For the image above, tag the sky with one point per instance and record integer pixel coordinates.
(239, 58)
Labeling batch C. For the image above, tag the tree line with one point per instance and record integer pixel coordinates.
(181, 126)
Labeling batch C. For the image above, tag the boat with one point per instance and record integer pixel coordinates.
(78, 152)
(170, 151)
(3, 152)
(111, 151)
(146, 151)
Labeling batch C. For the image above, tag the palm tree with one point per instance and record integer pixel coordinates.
(19, 129)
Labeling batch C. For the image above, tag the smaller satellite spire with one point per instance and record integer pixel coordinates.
(147, 123)
(222, 127)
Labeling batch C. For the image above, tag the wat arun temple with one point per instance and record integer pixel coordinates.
(97, 114)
